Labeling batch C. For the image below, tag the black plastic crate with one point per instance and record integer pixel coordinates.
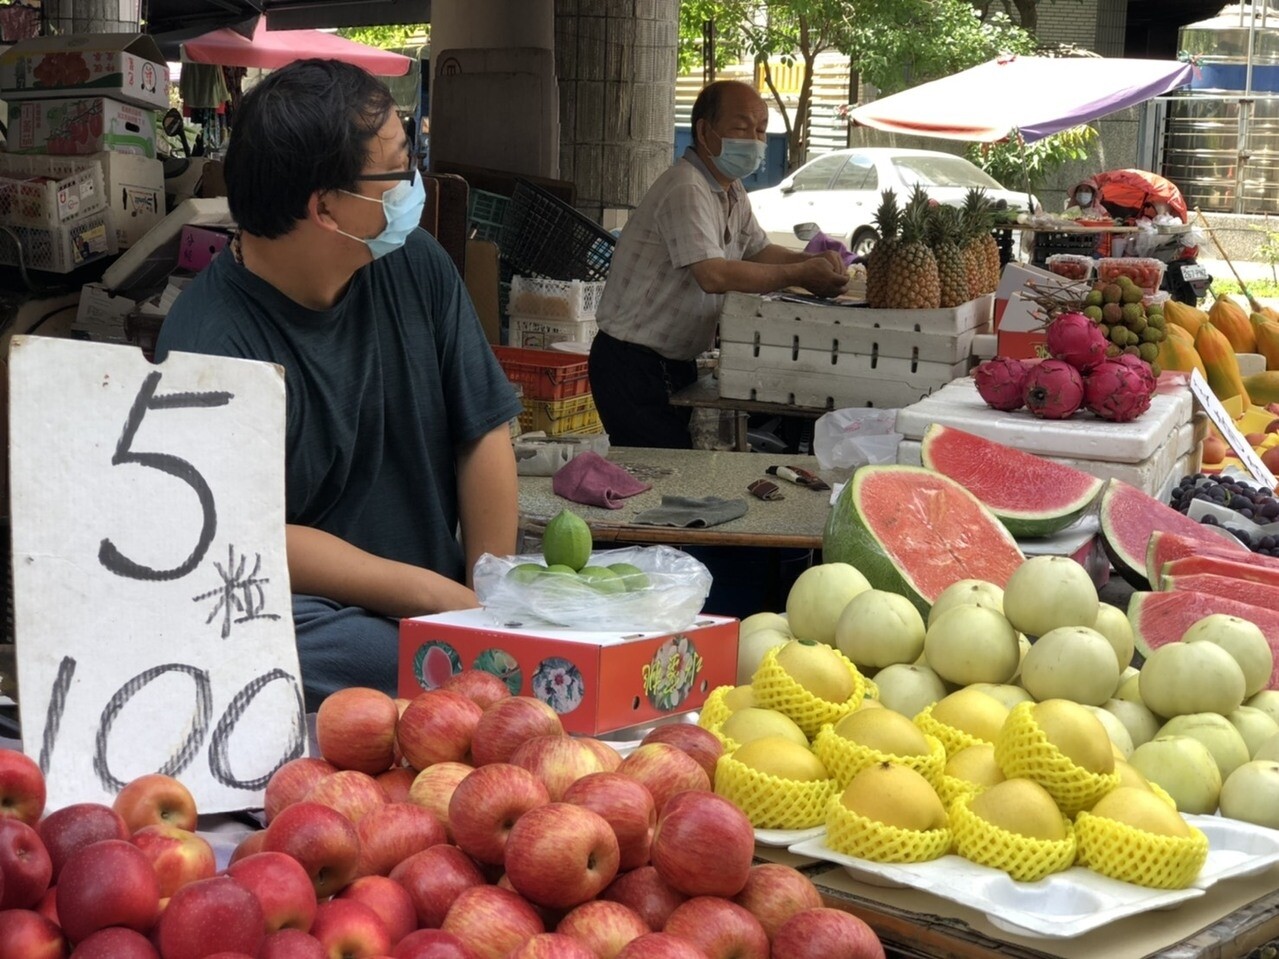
(1048, 244)
(543, 236)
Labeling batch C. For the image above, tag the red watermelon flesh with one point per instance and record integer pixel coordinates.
(1166, 547)
(1216, 565)
(1128, 519)
(1160, 618)
(1214, 584)
(1031, 495)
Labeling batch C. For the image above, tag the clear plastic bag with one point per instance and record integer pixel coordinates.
(677, 590)
(849, 438)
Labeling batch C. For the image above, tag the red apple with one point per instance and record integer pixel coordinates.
(25, 934)
(551, 945)
(561, 855)
(351, 793)
(437, 727)
(291, 782)
(155, 799)
(826, 934)
(431, 944)
(509, 722)
(208, 916)
(628, 807)
(291, 944)
(773, 893)
(644, 891)
(602, 926)
(69, 829)
(108, 883)
(321, 839)
(433, 788)
(250, 845)
(391, 833)
(396, 783)
(559, 761)
(22, 790)
(48, 905)
(178, 856)
(665, 770)
(549, 915)
(348, 927)
(721, 929)
(116, 942)
(487, 803)
(25, 868)
(479, 686)
(609, 757)
(434, 878)
(699, 743)
(660, 945)
(491, 921)
(386, 897)
(355, 729)
(703, 844)
(282, 887)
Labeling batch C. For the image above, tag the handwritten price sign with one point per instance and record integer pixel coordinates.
(151, 596)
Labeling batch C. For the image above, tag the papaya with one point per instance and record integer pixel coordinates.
(1173, 331)
(1229, 317)
(1185, 316)
(1270, 313)
(1176, 353)
(1267, 333)
(1263, 388)
(1221, 368)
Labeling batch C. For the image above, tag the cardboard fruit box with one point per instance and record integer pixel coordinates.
(123, 66)
(598, 682)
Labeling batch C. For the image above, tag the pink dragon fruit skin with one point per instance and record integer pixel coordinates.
(1140, 367)
(1002, 382)
(1116, 391)
(1054, 390)
(1077, 340)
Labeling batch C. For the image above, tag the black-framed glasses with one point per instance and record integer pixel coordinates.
(410, 174)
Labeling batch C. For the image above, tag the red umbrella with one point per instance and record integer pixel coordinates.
(270, 49)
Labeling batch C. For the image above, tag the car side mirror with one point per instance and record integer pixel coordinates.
(787, 186)
(806, 231)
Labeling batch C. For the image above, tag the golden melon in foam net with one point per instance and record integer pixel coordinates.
(962, 719)
(866, 737)
(1016, 827)
(1133, 835)
(775, 688)
(1061, 746)
(888, 813)
(774, 785)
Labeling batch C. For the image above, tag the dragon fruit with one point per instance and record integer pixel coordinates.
(1140, 367)
(1117, 391)
(1077, 340)
(1002, 382)
(1054, 390)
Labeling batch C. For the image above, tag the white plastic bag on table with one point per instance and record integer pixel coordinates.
(849, 438)
(678, 586)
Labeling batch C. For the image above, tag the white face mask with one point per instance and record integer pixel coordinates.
(738, 159)
(1084, 197)
(402, 206)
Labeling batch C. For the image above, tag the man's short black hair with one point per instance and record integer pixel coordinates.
(305, 128)
(710, 101)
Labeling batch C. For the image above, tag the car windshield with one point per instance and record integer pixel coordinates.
(942, 171)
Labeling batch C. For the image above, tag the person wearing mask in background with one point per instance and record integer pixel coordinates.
(397, 412)
(692, 239)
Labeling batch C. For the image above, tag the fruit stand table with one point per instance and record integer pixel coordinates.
(793, 522)
(704, 394)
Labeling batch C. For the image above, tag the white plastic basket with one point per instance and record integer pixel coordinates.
(554, 299)
(62, 248)
(46, 191)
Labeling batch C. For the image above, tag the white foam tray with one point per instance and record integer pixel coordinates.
(785, 838)
(1070, 903)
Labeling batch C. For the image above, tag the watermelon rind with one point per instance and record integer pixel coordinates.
(1164, 547)
(850, 538)
(1164, 617)
(1033, 497)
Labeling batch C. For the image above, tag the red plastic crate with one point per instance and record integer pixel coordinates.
(545, 374)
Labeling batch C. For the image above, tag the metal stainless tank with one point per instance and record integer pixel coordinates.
(1206, 135)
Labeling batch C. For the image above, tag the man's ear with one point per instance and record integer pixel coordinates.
(317, 210)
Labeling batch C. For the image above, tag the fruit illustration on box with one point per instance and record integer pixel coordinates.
(559, 684)
(435, 663)
(502, 665)
(672, 672)
(67, 69)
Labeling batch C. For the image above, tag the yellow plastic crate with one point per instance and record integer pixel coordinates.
(576, 414)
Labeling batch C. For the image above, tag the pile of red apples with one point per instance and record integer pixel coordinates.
(463, 824)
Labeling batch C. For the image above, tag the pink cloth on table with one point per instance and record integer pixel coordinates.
(590, 479)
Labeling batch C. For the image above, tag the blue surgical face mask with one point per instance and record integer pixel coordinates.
(738, 159)
(402, 206)
(1084, 197)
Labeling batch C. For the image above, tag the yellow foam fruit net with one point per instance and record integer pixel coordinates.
(1162, 793)
(1024, 858)
(949, 788)
(844, 758)
(1124, 852)
(771, 802)
(714, 711)
(853, 834)
(728, 742)
(951, 738)
(1023, 751)
(775, 689)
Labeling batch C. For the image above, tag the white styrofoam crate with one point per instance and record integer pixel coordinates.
(540, 333)
(555, 299)
(973, 315)
(45, 191)
(896, 387)
(874, 365)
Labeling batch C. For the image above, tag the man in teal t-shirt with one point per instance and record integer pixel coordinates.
(396, 436)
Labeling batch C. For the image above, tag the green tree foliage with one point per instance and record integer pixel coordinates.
(1027, 166)
(386, 38)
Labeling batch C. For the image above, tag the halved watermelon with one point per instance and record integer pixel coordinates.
(1165, 547)
(914, 531)
(1159, 618)
(1218, 566)
(1128, 519)
(1030, 495)
(1227, 587)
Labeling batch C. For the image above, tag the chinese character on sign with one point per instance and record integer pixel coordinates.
(240, 598)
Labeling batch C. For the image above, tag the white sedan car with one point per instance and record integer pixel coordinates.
(839, 191)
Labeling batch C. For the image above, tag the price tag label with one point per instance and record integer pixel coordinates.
(152, 611)
(1229, 432)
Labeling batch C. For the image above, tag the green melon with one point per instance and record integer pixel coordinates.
(913, 531)
(1159, 618)
(1030, 495)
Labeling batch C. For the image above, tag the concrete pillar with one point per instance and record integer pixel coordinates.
(93, 16)
(616, 62)
(494, 96)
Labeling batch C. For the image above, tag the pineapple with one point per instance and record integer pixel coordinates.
(913, 283)
(952, 265)
(887, 218)
(977, 206)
